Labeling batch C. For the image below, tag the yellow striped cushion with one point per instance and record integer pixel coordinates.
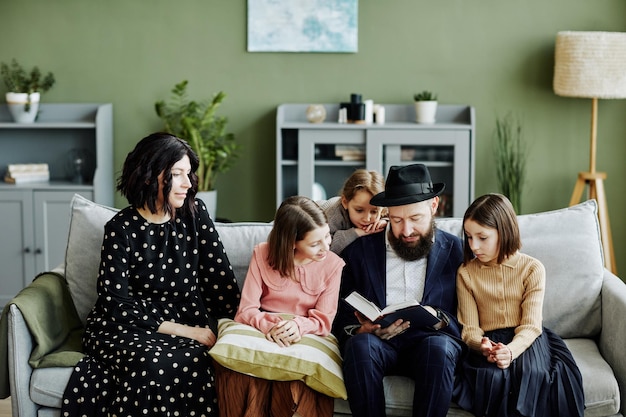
(314, 360)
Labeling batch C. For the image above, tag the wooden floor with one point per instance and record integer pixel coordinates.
(5, 408)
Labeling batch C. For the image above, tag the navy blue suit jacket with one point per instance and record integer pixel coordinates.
(365, 272)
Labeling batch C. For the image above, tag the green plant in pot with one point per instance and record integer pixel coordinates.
(24, 89)
(425, 106)
(197, 123)
(510, 152)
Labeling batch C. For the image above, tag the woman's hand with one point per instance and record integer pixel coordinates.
(203, 335)
(284, 333)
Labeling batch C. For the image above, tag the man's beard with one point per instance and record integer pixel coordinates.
(413, 251)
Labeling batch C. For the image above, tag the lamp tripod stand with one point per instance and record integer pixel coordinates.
(595, 180)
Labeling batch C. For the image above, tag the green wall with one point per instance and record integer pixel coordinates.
(496, 55)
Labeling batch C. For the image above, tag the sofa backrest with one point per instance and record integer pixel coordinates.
(566, 241)
(239, 239)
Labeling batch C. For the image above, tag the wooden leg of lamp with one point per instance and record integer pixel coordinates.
(595, 180)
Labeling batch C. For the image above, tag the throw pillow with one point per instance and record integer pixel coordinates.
(314, 360)
(82, 255)
(567, 242)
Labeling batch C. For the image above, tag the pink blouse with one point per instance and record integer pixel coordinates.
(267, 296)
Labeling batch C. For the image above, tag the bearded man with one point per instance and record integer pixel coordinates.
(412, 260)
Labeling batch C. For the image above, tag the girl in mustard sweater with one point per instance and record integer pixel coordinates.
(515, 367)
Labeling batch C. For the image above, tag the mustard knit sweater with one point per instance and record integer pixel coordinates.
(497, 296)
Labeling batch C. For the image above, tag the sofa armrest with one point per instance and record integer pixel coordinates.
(19, 349)
(613, 335)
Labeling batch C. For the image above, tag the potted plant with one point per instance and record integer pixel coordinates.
(425, 106)
(25, 90)
(196, 122)
(510, 153)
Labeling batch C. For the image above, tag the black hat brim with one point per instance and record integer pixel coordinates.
(382, 200)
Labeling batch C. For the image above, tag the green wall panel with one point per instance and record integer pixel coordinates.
(496, 55)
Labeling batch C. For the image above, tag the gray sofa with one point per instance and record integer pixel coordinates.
(584, 303)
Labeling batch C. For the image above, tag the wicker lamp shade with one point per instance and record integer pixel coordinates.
(590, 64)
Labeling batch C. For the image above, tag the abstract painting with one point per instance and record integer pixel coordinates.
(302, 25)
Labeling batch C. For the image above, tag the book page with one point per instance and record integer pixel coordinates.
(399, 306)
(363, 305)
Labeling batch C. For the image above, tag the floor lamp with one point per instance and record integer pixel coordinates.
(592, 65)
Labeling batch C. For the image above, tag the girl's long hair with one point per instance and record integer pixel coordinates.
(295, 217)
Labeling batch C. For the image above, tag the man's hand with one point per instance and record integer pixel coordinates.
(394, 329)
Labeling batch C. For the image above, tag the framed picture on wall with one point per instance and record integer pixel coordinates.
(303, 26)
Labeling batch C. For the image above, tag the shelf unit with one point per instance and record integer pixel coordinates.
(308, 153)
(36, 215)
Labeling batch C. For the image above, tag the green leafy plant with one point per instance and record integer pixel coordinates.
(425, 96)
(18, 80)
(511, 154)
(196, 122)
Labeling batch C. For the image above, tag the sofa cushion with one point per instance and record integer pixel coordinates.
(314, 360)
(48, 384)
(567, 242)
(82, 255)
(599, 383)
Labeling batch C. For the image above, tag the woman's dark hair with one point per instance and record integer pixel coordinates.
(494, 211)
(295, 217)
(153, 155)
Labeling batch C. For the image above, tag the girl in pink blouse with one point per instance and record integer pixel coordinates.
(291, 289)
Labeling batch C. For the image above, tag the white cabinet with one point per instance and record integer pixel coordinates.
(35, 216)
(35, 225)
(323, 155)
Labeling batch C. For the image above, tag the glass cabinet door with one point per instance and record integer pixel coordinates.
(445, 153)
(326, 159)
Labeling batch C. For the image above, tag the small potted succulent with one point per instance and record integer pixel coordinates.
(24, 90)
(425, 106)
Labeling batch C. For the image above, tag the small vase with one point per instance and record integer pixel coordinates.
(17, 103)
(425, 111)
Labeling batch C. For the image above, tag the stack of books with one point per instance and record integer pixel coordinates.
(23, 173)
(350, 152)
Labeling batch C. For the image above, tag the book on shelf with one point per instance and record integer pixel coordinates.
(350, 152)
(410, 310)
(25, 173)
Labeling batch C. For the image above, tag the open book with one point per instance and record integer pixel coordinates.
(410, 310)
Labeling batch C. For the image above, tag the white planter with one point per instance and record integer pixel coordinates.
(425, 111)
(210, 199)
(16, 103)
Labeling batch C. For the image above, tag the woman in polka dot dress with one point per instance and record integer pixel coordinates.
(164, 281)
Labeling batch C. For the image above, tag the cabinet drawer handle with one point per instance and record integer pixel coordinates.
(26, 250)
(38, 251)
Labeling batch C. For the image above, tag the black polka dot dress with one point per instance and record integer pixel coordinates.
(150, 273)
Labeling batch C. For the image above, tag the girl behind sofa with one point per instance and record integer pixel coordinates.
(351, 215)
(516, 367)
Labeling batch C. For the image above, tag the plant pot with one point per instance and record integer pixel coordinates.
(17, 103)
(425, 111)
(210, 199)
